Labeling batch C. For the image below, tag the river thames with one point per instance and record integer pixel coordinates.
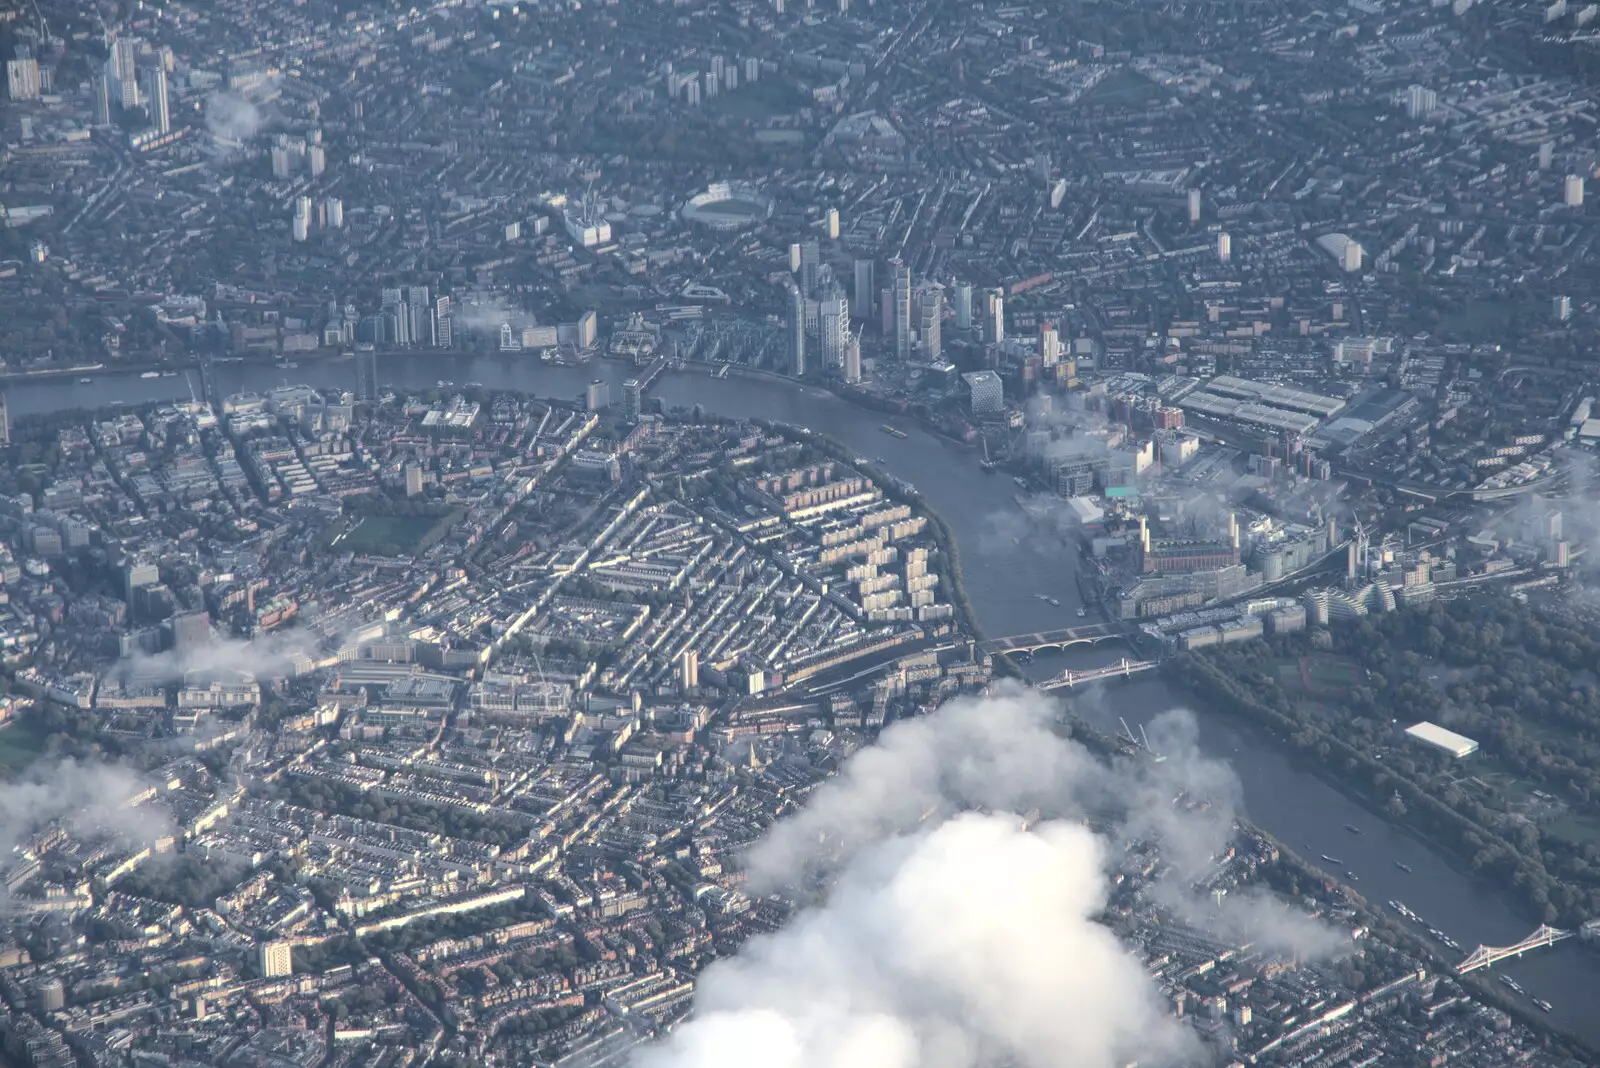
(1010, 565)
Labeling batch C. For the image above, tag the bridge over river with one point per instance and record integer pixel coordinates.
(1087, 634)
(1124, 669)
(1485, 956)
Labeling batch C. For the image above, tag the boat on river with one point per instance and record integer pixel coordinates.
(1331, 860)
(893, 431)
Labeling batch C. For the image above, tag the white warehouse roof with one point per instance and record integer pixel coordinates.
(1335, 244)
(1085, 510)
(1431, 734)
(1277, 395)
(1280, 419)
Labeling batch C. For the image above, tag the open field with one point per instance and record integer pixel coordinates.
(1321, 674)
(1122, 88)
(21, 743)
(388, 535)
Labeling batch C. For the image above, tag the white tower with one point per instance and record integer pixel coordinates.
(834, 328)
(155, 87)
(124, 72)
(902, 310)
(997, 316)
(1351, 260)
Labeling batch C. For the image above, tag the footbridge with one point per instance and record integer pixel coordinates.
(1124, 668)
(1484, 956)
(1088, 634)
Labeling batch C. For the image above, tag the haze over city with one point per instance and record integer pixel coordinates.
(813, 534)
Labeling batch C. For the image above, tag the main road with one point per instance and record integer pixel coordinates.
(1012, 564)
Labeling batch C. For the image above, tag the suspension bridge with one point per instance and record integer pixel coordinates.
(1070, 678)
(1485, 956)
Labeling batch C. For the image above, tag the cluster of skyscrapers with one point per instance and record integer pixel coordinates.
(291, 155)
(693, 86)
(912, 312)
(410, 317)
(819, 309)
(123, 84)
(324, 213)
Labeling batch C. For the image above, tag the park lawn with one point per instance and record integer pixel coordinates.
(1287, 672)
(1479, 317)
(1122, 88)
(1319, 674)
(758, 101)
(1551, 815)
(1577, 827)
(1329, 674)
(21, 743)
(390, 535)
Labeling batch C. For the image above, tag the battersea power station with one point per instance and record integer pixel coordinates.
(1187, 553)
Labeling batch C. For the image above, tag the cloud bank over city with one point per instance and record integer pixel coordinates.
(90, 796)
(972, 943)
(954, 887)
(270, 655)
(232, 118)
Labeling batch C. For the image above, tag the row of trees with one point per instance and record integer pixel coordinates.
(186, 879)
(450, 820)
(1499, 672)
(1357, 768)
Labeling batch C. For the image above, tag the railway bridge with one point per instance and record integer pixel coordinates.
(652, 373)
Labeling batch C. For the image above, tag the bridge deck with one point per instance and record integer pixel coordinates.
(1071, 678)
(1484, 956)
(652, 373)
(1091, 632)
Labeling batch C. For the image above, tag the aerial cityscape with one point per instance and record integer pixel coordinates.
(812, 534)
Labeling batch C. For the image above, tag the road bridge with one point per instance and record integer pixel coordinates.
(1070, 678)
(1484, 956)
(651, 373)
(1088, 634)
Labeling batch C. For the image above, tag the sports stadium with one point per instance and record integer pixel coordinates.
(728, 206)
